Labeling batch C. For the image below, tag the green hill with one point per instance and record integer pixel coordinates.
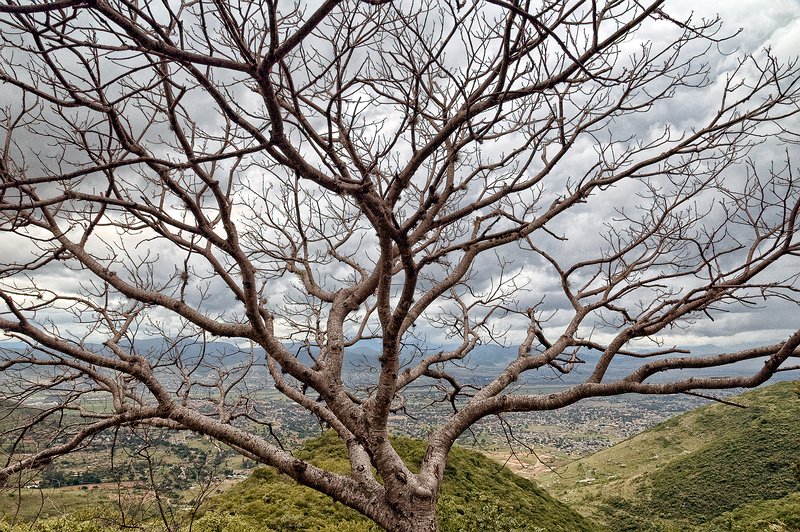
(709, 467)
(773, 515)
(717, 468)
(477, 495)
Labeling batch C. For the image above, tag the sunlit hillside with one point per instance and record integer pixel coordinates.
(695, 468)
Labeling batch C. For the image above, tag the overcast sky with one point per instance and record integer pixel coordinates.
(773, 23)
(756, 25)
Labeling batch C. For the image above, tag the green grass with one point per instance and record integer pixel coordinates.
(477, 495)
(774, 515)
(24, 505)
(718, 468)
(694, 468)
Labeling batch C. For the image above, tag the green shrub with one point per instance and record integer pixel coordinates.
(477, 495)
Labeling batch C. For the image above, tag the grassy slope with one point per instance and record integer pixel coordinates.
(717, 468)
(693, 468)
(773, 515)
(26, 504)
(477, 495)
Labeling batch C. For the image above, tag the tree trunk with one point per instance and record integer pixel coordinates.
(415, 516)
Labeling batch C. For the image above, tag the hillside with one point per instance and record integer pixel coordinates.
(700, 468)
(477, 495)
(717, 468)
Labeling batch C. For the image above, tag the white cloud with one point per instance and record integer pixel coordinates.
(772, 23)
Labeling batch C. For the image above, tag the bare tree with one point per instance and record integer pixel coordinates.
(302, 179)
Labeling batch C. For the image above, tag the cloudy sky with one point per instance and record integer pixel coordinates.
(774, 24)
(754, 26)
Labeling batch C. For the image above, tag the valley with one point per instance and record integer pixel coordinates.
(611, 460)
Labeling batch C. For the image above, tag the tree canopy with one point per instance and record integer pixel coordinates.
(577, 179)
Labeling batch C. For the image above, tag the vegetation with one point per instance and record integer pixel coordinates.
(107, 520)
(712, 465)
(27, 504)
(774, 515)
(311, 181)
(477, 495)
(718, 468)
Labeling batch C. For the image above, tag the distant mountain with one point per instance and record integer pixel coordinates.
(478, 496)
(708, 468)
(482, 364)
